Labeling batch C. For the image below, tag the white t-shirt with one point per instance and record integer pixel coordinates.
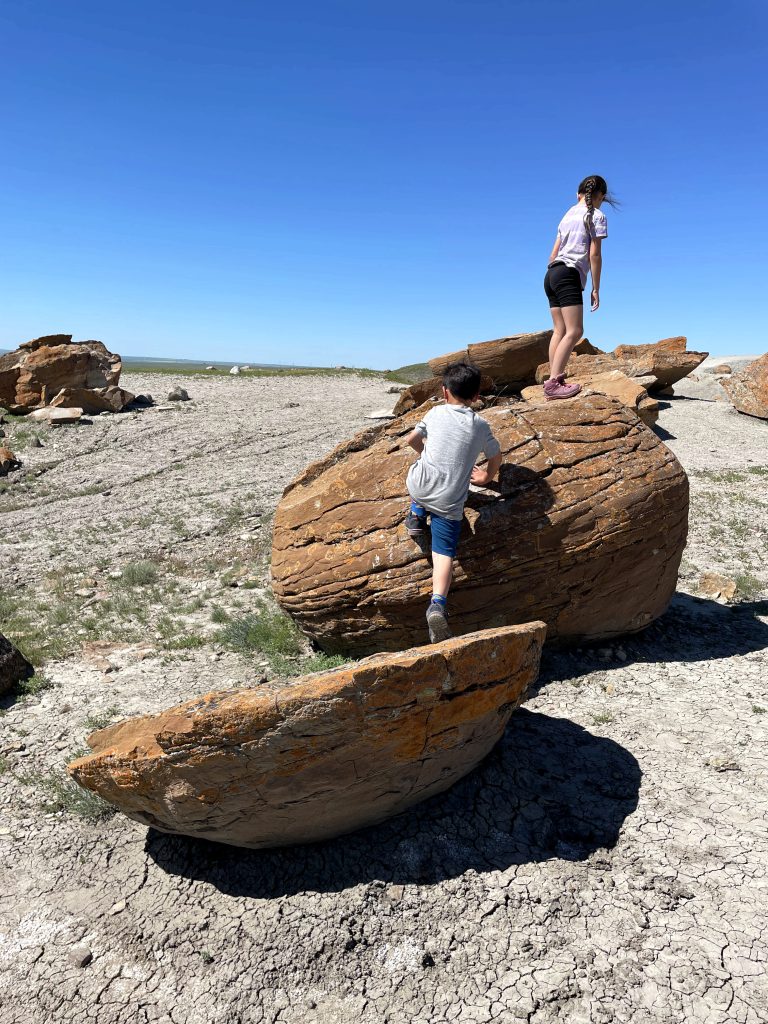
(575, 239)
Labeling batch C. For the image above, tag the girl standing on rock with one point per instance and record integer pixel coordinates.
(577, 252)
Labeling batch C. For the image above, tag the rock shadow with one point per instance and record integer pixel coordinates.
(549, 789)
(691, 629)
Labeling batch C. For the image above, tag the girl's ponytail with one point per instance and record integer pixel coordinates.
(588, 187)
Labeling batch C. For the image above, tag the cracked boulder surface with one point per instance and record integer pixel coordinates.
(328, 754)
(588, 499)
(628, 390)
(748, 389)
(607, 862)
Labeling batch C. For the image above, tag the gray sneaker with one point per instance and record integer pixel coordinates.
(437, 622)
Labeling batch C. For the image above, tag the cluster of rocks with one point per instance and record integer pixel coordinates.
(588, 497)
(53, 372)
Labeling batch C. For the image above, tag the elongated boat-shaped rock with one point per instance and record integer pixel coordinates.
(330, 753)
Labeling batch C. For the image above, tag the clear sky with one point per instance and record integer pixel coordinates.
(370, 183)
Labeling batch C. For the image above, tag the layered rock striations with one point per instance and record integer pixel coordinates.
(329, 753)
(585, 530)
(511, 362)
(662, 364)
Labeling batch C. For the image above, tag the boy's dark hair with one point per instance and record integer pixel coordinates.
(462, 380)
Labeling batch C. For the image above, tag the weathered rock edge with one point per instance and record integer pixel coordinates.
(328, 754)
(748, 389)
(585, 531)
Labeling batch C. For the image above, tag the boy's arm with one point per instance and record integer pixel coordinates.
(416, 440)
(484, 475)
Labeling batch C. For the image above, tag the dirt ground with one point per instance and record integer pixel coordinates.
(608, 862)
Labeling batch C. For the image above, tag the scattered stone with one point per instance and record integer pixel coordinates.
(177, 394)
(396, 389)
(587, 496)
(93, 400)
(119, 907)
(721, 368)
(327, 754)
(748, 389)
(720, 588)
(381, 414)
(13, 665)
(142, 400)
(8, 461)
(79, 956)
(36, 442)
(235, 371)
(210, 367)
(57, 417)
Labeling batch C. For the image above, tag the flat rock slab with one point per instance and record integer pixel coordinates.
(331, 753)
(584, 530)
(511, 362)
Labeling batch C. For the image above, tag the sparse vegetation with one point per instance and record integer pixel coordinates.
(34, 685)
(62, 794)
(602, 718)
(100, 719)
(139, 574)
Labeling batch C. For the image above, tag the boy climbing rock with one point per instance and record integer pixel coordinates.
(448, 440)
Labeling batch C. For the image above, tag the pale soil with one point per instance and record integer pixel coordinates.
(606, 863)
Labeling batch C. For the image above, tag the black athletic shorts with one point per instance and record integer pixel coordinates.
(563, 285)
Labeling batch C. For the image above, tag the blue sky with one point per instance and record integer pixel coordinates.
(375, 183)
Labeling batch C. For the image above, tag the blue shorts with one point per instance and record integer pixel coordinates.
(445, 532)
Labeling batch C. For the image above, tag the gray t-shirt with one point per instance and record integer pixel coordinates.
(575, 239)
(454, 437)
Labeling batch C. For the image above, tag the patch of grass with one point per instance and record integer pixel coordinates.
(218, 614)
(323, 662)
(602, 718)
(747, 585)
(266, 631)
(3, 765)
(410, 374)
(61, 794)
(139, 574)
(35, 684)
(206, 957)
(185, 642)
(757, 710)
(100, 719)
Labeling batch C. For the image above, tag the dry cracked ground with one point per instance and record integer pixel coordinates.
(606, 863)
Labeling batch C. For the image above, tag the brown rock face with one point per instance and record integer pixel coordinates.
(13, 665)
(328, 754)
(35, 373)
(665, 361)
(511, 362)
(617, 384)
(585, 531)
(748, 390)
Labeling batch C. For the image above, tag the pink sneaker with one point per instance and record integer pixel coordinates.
(556, 387)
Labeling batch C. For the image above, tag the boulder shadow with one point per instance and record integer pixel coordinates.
(691, 629)
(549, 789)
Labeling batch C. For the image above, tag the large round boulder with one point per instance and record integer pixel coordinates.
(584, 530)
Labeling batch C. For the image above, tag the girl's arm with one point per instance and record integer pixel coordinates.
(595, 266)
(555, 250)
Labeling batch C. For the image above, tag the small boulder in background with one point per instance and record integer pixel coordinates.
(748, 389)
(177, 394)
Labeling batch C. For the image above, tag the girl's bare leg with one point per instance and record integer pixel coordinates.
(558, 324)
(442, 574)
(573, 316)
